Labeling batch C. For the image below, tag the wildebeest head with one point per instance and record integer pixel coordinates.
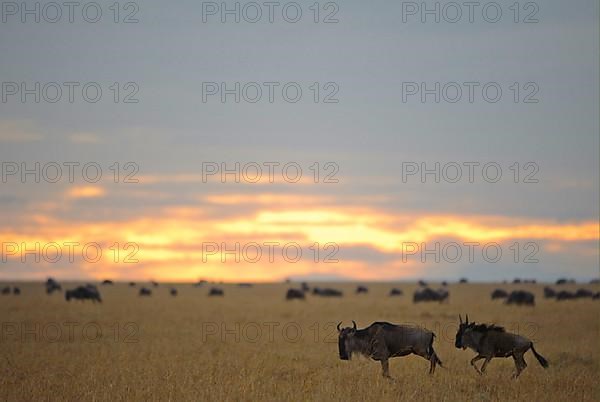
(462, 326)
(346, 341)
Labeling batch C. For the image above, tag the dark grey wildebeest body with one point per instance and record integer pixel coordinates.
(145, 292)
(491, 341)
(84, 292)
(381, 341)
(396, 292)
(549, 293)
(499, 294)
(521, 297)
(294, 294)
(429, 294)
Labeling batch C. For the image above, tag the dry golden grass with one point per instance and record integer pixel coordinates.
(172, 357)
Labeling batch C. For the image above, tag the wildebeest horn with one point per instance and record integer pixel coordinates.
(467, 319)
(460, 318)
(354, 324)
(338, 326)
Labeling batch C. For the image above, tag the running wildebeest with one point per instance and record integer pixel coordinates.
(565, 295)
(444, 283)
(6, 290)
(155, 284)
(491, 341)
(499, 294)
(549, 293)
(429, 294)
(107, 282)
(584, 293)
(516, 280)
(327, 292)
(381, 341)
(145, 292)
(596, 296)
(173, 292)
(52, 286)
(132, 284)
(82, 293)
(216, 292)
(463, 280)
(521, 297)
(304, 286)
(564, 281)
(362, 289)
(396, 292)
(422, 283)
(16, 291)
(294, 294)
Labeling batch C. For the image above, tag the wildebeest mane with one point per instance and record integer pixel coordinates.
(486, 327)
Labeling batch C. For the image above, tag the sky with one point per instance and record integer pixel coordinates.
(390, 146)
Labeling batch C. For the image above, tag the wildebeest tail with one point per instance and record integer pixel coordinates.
(432, 353)
(539, 357)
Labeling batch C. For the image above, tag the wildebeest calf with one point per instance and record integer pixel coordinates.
(381, 341)
(491, 341)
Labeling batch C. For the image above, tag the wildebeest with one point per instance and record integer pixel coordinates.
(596, 296)
(16, 291)
(199, 283)
(294, 294)
(499, 294)
(362, 289)
(304, 286)
(52, 286)
(132, 284)
(463, 280)
(594, 281)
(145, 292)
(154, 283)
(491, 341)
(381, 341)
(564, 281)
(444, 283)
(422, 283)
(429, 294)
(521, 297)
(327, 292)
(216, 292)
(173, 292)
(6, 290)
(107, 282)
(84, 292)
(565, 295)
(517, 280)
(584, 293)
(396, 292)
(549, 292)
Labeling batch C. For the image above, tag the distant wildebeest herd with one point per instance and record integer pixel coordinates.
(422, 294)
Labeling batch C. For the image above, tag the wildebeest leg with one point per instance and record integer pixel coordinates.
(485, 363)
(519, 364)
(385, 367)
(473, 360)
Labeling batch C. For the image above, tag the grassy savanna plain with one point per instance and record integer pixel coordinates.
(251, 344)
